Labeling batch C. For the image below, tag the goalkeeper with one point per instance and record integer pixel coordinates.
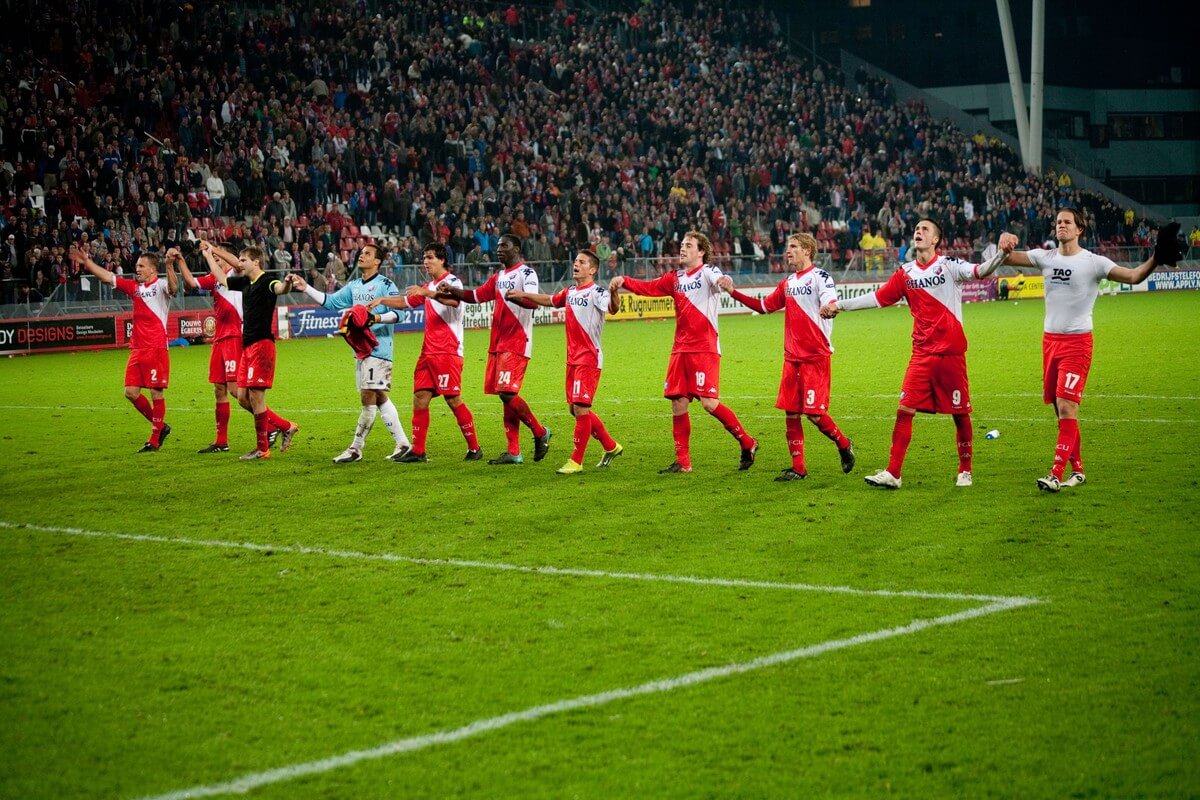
(373, 374)
(1072, 276)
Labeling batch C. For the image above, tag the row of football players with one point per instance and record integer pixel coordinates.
(242, 363)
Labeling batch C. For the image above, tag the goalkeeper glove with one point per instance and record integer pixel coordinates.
(1167, 250)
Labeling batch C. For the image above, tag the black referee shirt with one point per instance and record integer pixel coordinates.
(258, 306)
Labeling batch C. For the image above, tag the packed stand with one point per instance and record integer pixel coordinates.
(314, 130)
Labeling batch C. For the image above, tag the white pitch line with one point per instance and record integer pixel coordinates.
(566, 572)
(876, 417)
(251, 781)
(254, 780)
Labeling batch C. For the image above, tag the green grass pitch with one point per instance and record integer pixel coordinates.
(134, 664)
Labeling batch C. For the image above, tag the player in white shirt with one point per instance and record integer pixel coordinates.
(1072, 276)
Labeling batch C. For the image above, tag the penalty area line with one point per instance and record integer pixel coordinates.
(499, 566)
(254, 780)
(245, 783)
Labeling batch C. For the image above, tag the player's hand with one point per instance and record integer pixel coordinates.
(830, 310)
(374, 304)
(298, 283)
(616, 283)
(443, 290)
(725, 283)
(417, 291)
(205, 245)
(1008, 242)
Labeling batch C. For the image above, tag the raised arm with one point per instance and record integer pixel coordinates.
(659, 287)
(79, 256)
(189, 280)
(427, 294)
(1007, 243)
(214, 265)
(528, 299)
(285, 285)
(1135, 275)
(725, 283)
(991, 265)
(172, 278)
(1167, 251)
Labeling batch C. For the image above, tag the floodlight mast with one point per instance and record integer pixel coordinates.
(1029, 123)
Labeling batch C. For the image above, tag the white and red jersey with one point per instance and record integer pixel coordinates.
(512, 323)
(586, 307)
(443, 323)
(150, 304)
(802, 294)
(697, 298)
(1072, 285)
(934, 294)
(227, 305)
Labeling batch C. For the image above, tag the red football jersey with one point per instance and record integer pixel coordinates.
(697, 299)
(586, 307)
(443, 323)
(512, 323)
(227, 305)
(150, 304)
(934, 295)
(805, 334)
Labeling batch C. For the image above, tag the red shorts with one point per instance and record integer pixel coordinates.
(804, 387)
(223, 362)
(581, 384)
(256, 370)
(693, 375)
(937, 384)
(440, 373)
(505, 372)
(1066, 359)
(148, 368)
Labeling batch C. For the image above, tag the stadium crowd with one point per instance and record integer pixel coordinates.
(126, 128)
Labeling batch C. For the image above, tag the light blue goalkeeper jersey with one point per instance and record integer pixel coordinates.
(360, 292)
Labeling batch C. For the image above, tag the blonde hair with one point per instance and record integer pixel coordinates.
(703, 243)
(807, 242)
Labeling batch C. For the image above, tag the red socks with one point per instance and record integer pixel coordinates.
(726, 417)
(261, 425)
(682, 429)
(466, 424)
(601, 433)
(525, 415)
(795, 441)
(827, 426)
(143, 407)
(964, 436)
(512, 429)
(420, 429)
(222, 424)
(1077, 451)
(277, 422)
(901, 436)
(583, 432)
(1068, 440)
(156, 421)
